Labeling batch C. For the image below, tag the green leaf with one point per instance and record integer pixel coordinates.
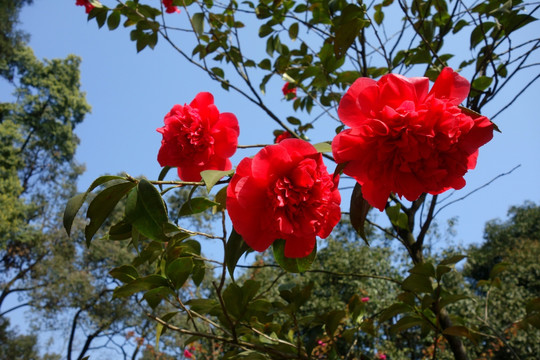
(293, 31)
(294, 265)
(152, 201)
(425, 269)
(141, 284)
(221, 200)
(114, 20)
(497, 269)
(397, 217)
(120, 231)
(378, 16)
(218, 72)
(333, 319)
(359, 209)
(482, 83)
(72, 208)
(154, 296)
(179, 270)
(196, 205)
(323, 147)
(417, 284)
(138, 216)
(393, 310)
(198, 23)
(454, 259)
(124, 273)
(211, 177)
(265, 30)
(294, 121)
(265, 64)
(405, 323)
(102, 205)
(461, 331)
(234, 249)
(450, 299)
(76, 202)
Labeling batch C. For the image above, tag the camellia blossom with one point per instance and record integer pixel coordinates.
(284, 192)
(86, 3)
(197, 137)
(406, 140)
(289, 88)
(364, 299)
(169, 7)
(284, 135)
(188, 354)
(382, 356)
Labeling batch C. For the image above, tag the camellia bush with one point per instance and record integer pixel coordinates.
(403, 139)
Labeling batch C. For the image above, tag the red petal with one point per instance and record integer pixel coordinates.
(356, 105)
(450, 85)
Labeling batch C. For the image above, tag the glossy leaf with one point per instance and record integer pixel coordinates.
(196, 205)
(152, 201)
(179, 270)
(124, 273)
(102, 205)
(137, 215)
(76, 202)
(234, 249)
(358, 211)
(323, 147)
(197, 22)
(417, 284)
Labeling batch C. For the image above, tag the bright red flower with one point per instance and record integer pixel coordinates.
(284, 135)
(197, 137)
(188, 354)
(289, 88)
(86, 4)
(169, 7)
(406, 140)
(284, 192)
(364, 299)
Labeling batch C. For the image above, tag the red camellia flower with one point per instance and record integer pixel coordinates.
(284, 135)
(289, 88)
(406, 140)
(284, 192)
(86, 4)
(197, 137)
(169, 7)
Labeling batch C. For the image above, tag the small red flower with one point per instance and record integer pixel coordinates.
(406, 140)
(169, 7)
(188, 354)
(197, 137)
(86, 4)
(284, 135)
(364, 299)
(382, 356)
(289, 88)
(284, 192)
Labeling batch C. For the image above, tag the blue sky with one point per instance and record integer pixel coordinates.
(130, 93)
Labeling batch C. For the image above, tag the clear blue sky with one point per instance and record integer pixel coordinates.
(130, 93)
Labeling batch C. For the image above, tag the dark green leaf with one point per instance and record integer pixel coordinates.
(198, 23)
(114, 20)
(124, 273)
(152, 201)
(154, 296)
(359, 209)
(294, 265)
(293, 31)
(102, 205)
(138, 216)
(454, 259)
(333, 319)
(450, 299)
(195, 206)
(417, 284)
(461, 331)
(179, 270)
(393, 310)
(405, 323)
(72, 208)
(234, 249)
(140, 284)
(425, 269)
